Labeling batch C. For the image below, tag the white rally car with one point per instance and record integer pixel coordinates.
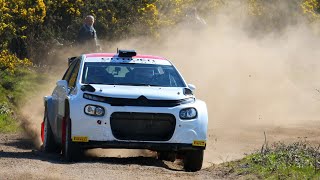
(125, 100)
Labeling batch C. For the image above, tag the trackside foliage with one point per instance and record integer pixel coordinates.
(30, 29)
(9, 62)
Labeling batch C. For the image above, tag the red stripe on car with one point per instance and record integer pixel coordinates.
(116, 56)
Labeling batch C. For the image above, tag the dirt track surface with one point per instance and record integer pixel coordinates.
(20, 160)
(233, 142)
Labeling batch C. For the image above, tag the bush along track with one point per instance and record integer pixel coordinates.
(298, 160)
(18, 79)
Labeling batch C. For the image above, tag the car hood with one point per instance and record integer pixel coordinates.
(134, 92)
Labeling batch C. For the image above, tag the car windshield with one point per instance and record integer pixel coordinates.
(131, 74)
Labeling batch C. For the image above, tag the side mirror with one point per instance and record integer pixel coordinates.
(192, 87)
(63, 84)
(70, 60)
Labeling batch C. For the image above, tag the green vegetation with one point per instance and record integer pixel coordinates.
(7, 123)
(294, 161)
(15, 88)
(31, 29)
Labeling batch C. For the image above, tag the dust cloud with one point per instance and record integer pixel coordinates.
(251, 83)
(272, 80)
(31, 114)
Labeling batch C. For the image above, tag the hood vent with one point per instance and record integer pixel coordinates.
(141, 101)
(88, 88)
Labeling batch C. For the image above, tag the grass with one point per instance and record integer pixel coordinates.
(298, 160)
(14, 91)
(8, 124)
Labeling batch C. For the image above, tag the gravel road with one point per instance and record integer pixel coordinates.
(19, 159)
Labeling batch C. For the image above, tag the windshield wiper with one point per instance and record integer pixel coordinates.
(126, 63)
(137, 84)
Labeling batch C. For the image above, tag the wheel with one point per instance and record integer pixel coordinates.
(166, 155)
(193, 160)
(49, 144)
(71, 151)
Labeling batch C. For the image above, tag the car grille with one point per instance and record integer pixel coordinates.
(142, 126)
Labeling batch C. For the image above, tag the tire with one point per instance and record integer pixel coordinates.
(71, 151)
(166, 155)
(193, 160)
(49, 144)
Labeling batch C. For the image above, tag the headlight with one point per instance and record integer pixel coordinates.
(94, 110)
(94, 97)
(188, 113)
(99, 111)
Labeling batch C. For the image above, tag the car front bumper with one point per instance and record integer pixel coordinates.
(186, 132)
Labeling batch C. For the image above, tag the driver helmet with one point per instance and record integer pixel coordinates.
(143, 73)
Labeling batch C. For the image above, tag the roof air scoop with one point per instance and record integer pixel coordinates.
(127, 53)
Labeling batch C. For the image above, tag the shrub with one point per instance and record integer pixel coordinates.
(9, 62)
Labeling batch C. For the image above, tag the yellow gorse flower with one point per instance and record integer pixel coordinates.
(10, 62)
(309, 8)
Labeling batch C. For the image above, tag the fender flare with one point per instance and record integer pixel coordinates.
(66, 119)
(48, 105)
(203, 117)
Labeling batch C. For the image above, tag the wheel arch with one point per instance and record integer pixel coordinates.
(65, 119)
(203, 117)
(48, 107)
(66, 108)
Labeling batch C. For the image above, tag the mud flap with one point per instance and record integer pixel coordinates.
(63, 131)
(42, 131)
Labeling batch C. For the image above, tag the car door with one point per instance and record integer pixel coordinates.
(57, 96)
(63, 94)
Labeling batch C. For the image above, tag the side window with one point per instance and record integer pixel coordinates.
(74, 75)
(69, 70)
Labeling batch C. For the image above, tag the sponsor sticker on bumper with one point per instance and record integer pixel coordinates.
(80, 139)
(200, 143)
